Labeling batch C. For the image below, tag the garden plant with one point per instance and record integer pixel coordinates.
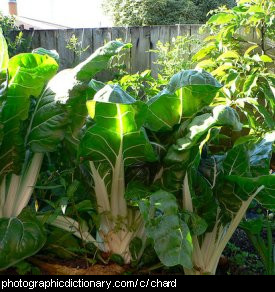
(138, 165)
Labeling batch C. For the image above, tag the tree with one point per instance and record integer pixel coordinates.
(161, 12)
(14, 37)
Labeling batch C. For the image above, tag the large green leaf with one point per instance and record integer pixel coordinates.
(48, 123)
(115, 141)
(200, 125)
(63, 103)
(183, 153)
(118, 132)
(172, 238)
(237, 161)
(28, 74)
(263, 185)
(200, 187)
(4, 57)
(20, 238)
(260, 154)
(4, 60)
(244, 170)
(186, 94)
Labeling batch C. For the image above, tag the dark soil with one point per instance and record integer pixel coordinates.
(242, 259)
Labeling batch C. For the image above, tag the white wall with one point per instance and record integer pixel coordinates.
(73, 13)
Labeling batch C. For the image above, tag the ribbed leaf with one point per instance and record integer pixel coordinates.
(199, 127)
(118, 132)
(237, 161)
(48, 124)
(28, 74)
(244, 170)
(263, 185)
(260, 154)
(4, 59)
(187, 150)
(20, 238)
(172, 238)
(63, 103)
(187, 93)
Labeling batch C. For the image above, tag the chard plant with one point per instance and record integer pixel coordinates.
(174, 170)
(35, 114)
(116, 141)
(223, 185)
(206, 177)
(117, 147)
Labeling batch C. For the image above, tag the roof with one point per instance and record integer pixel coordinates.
(29, 23)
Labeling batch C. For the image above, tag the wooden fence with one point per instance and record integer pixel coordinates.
(143, 39)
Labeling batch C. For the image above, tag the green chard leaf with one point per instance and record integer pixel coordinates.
(171, 235)
(260, 154)
(187, 149)
(263, 186)
(20, 238)
(200, 125)
(245, 172)
(63, 102)
(187, 93)
(4, 60)
(115, 141)
(28, 74)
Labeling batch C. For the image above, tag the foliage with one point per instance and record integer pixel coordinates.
(167, 163)
(177, 56)
(14, 37)
(141, 86)
(241, 262)
(34, 119)
(242, 65)
(163, 12)
(265, 248)
(76, 46)
(178, 158)
(115, 148)
(20, 238)
(220, 178)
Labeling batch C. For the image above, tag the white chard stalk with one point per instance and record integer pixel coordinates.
(206, 254)
(15, 195)
(119, 225)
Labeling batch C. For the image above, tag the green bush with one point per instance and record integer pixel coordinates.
(161, 12)
(14, 37)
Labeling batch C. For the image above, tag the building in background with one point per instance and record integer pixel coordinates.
(56, 14)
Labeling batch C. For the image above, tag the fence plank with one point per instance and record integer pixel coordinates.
(154, 38)
(140, 59)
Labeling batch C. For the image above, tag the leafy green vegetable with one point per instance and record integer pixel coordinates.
(20, 238)
(221, 189)
(115, 141)
(186, 94)
(171, 235)
(34, 118)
